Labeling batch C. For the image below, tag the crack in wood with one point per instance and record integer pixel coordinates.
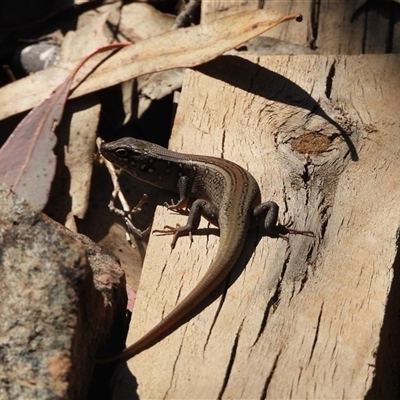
(329, 80)
(314, 19)
(173, 369)
(272, 301)
(269, 377)
(304, 279)
(316, 333)
(221, 303)
(230, 363)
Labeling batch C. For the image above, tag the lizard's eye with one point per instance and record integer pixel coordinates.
(121, 152)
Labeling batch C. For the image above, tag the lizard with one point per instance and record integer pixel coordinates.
(224, 193)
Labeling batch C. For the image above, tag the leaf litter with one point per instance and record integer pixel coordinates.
(29, 150)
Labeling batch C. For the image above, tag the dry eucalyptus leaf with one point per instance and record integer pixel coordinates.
(181, 48)
(186, 47)
(140, 21)
(27, 161)
(112, 11)
(81, 127)
(93, 34)
(156, 86)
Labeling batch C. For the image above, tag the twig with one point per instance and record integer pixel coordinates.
(126, 212)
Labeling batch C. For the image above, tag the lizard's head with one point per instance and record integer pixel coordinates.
(143, 160)
(127, 153)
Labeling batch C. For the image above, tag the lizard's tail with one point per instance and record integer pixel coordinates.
(223, 263)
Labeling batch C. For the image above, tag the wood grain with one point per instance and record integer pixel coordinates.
(304, 318)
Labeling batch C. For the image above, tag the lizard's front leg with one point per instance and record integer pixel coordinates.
(199, 208)
(184, 195)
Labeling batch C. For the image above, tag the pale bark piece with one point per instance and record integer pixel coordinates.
(303, 318)
(79, 154)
